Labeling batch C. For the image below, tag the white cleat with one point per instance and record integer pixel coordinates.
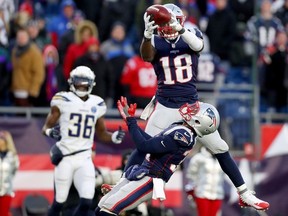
(248, 199)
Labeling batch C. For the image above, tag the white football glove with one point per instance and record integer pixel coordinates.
(149, 26)
(174, 23)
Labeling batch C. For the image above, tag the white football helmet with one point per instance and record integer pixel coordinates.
(204, 121)
(81, 75)
(167, 31)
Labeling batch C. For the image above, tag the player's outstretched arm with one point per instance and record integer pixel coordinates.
(147, 51)
(106, 136)
(192, 37)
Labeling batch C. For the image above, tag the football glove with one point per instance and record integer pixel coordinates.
(149, 26)
(174, 24)
(136, 172)
(106, 188)
(118, 136)
(54, 133)
(125, 110)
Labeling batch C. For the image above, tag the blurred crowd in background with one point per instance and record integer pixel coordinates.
(41, 41)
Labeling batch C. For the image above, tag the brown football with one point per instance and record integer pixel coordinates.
(159, 14)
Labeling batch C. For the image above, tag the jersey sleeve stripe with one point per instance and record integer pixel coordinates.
(60, 97)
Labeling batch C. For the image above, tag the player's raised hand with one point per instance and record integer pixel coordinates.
(125, 110)
(149, 26)
(174, 23)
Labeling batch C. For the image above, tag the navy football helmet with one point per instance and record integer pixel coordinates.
(167, 31)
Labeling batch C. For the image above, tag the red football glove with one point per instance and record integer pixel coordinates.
(124, 109)
(106, 188)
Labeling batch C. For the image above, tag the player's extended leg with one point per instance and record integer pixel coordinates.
(115, 189)
(84, 181)
(128, 196)
(63, 180)
(219, 148)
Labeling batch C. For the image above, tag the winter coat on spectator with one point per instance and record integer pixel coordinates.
(79, 47)
(28, 69)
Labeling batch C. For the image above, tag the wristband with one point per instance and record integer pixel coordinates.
(47, 132)
(182, 31)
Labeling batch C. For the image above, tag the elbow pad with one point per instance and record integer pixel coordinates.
(194, 42)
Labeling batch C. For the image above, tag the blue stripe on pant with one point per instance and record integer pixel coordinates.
(131, 195)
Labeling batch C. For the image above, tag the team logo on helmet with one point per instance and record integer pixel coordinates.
(209, 112)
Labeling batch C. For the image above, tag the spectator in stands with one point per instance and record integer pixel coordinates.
(5, 76)
(206, 183)
(41, 40)
(102, 69)
(198, 10)
(52, 77)
(91, 9)
(28, 70)
(282, 14)
(59, 24)
(275, 89)
(221, 30)
(243, 9)
(117, 50)
(8, 9)
(118, 10)
(20, 20)
(84, 31)
(5, 69)
(69, 36)
(9, 164)
(262, 28)
(139, 81)
(4, 29)
(261, 31)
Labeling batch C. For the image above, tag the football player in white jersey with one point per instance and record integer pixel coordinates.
(79, 115)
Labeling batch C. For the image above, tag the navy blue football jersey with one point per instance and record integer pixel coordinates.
(165, 151)
(176, 66)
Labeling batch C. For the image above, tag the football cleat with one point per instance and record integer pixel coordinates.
(248, 199)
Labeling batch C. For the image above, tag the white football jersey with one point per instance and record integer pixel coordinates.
(77, 120)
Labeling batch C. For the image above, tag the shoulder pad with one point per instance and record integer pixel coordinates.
(59, 98)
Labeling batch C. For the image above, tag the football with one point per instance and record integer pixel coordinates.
(159, 14)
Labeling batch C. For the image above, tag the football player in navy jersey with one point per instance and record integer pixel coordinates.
(164, 153)
(174, 53)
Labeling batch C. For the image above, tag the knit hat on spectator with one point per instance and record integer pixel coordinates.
(26, 7)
